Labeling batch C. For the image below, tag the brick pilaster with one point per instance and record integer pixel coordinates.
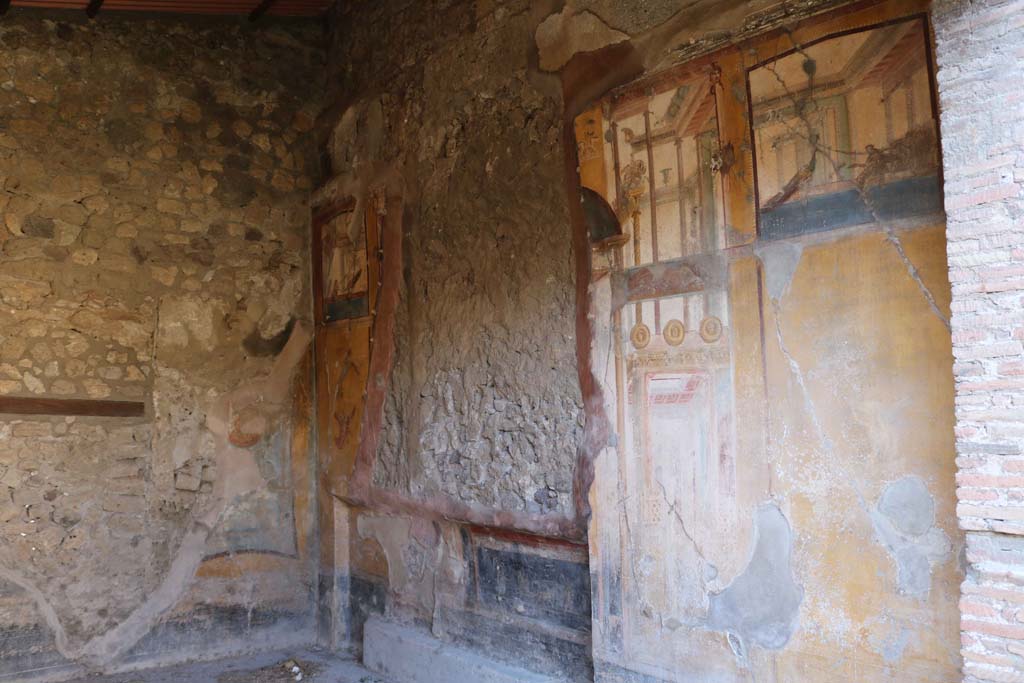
(980, 55)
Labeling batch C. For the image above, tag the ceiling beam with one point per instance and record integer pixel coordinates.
(260, 10)
(93, 8)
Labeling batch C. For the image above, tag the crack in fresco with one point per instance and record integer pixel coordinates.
(820, 439)
(624, 511)
(686, 532)
(811, 409)
(915, 275)
(795, 368)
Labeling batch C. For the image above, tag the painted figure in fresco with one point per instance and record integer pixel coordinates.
(911, 155)
(801, 177)
(634, 177)
(719, 551)
(345, 251)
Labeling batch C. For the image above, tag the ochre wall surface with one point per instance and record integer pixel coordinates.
(774, 348)
(154, 178)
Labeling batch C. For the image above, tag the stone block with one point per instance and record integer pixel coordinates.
(185, 481)
(410, 655)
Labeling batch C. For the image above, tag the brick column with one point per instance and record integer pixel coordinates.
(980, 55)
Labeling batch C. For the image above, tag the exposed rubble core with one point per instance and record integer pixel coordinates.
(153, 185)
(484, 404)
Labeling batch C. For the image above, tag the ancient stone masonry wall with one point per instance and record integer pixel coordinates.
(484, 391)
(153, 212)
(980, 53)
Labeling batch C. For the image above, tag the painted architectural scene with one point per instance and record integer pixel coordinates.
(845, 132)
(663, 148)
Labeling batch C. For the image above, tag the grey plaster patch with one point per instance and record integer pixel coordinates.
(892, 649)
(780, 261)
(761, 606)
(909, 505)
(904, 523)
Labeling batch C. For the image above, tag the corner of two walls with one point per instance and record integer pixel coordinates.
(451, 501)
(154, 199)
(484, 420)
(980, 60)
(465, 118)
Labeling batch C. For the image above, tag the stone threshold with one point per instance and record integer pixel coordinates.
(315, 664)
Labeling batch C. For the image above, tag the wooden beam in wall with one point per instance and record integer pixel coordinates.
(93, 8)
(260, 10)
(63, 406)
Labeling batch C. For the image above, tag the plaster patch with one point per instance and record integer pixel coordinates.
(892, 649)
(904, 522)
(562, 35)
(410, 546)
(780, 261)
(761, 606)
(182, 315)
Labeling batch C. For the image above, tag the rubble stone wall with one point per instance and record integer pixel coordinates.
(153, 218)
